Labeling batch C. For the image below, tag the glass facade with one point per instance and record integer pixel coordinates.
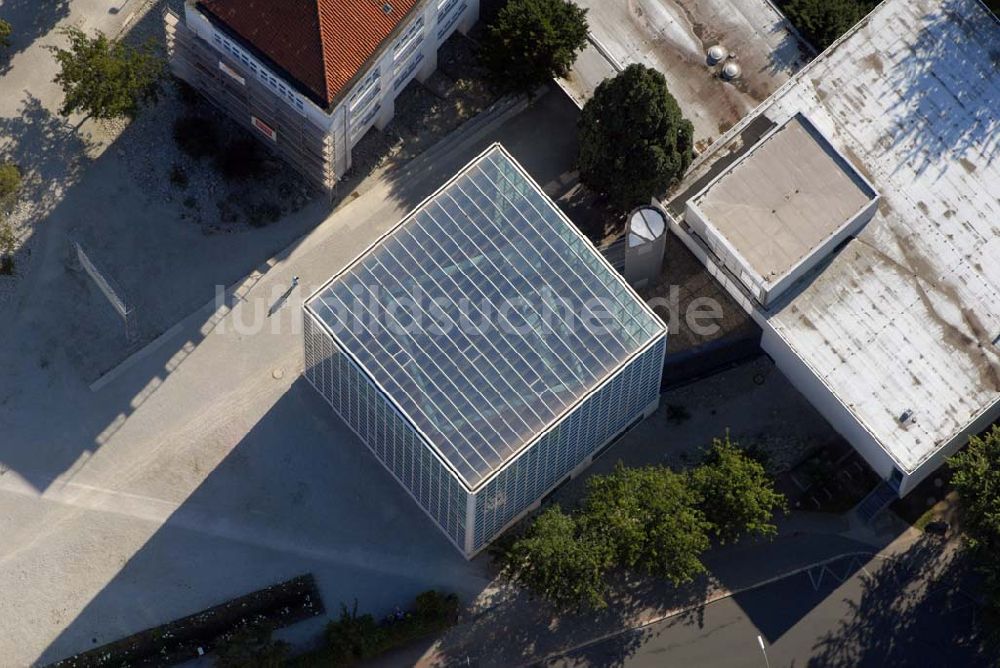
(386, 433)
(483, 350)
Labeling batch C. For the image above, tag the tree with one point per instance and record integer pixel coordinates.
(735, 493)
(650, 518)
(634, 141)
(5, 31)
(976, 478)
(531, 41)
(822, 22)
(106, 78)
(558, 561)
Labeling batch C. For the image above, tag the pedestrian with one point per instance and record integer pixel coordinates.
(295, 281)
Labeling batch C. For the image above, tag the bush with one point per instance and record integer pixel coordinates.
(356, 637)
(8, 244)
(241, 159)
(5, 31)
(10, 185)
(197, 136)
(531, 41)
(822, 22)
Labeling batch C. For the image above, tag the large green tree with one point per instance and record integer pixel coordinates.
(559, 561)
(634, 140)
(532, 41)
(105, 78)
(736, 494)
(976, 478)
(651, 520)
(823, 21)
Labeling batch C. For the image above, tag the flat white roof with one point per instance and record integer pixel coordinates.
(907, 316)
(780, 202)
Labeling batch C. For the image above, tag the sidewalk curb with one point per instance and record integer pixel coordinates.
(715, 598)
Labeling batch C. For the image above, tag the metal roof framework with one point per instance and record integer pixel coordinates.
(489, 239)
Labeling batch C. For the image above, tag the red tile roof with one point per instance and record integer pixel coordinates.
(320, 43)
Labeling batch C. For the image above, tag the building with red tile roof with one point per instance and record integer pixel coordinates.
(311, 77)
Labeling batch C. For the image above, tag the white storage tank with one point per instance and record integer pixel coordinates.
(647, 238)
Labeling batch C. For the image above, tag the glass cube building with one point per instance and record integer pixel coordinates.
(483, 350)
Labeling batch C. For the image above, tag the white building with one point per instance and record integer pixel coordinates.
(484, 350)
(311, 77)
(856, 216)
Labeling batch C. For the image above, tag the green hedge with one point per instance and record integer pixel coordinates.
(356, 637)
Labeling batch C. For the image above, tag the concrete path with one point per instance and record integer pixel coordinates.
(207, 468)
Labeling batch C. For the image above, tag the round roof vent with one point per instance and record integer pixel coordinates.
(646, 224)
(716, 53)
(731, 70)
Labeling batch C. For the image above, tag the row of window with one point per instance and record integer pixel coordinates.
(261, 72)
(605, 414)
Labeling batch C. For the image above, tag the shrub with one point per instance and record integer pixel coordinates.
(8, 244)
(10, 185)
(197, 136)
(356, 637)
(241, 159)
(5, 31)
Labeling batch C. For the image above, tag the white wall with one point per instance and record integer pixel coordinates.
(393, 72)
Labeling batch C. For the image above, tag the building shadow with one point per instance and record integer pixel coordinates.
(30, 21)
(299, 494)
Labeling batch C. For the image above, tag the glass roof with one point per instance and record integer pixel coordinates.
(485, 316)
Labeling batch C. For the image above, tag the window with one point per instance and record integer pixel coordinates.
(448, 16)
(240, 55)
(409, 42)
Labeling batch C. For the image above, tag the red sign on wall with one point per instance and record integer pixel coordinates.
(264, 128)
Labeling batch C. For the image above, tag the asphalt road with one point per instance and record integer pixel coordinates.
(847, 614)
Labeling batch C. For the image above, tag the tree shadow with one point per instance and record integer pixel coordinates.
(30, 21)
(914, 610)
(947, 104)
(514, 628)
(49, 151)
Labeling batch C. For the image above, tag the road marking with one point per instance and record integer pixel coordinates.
(715, 598)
